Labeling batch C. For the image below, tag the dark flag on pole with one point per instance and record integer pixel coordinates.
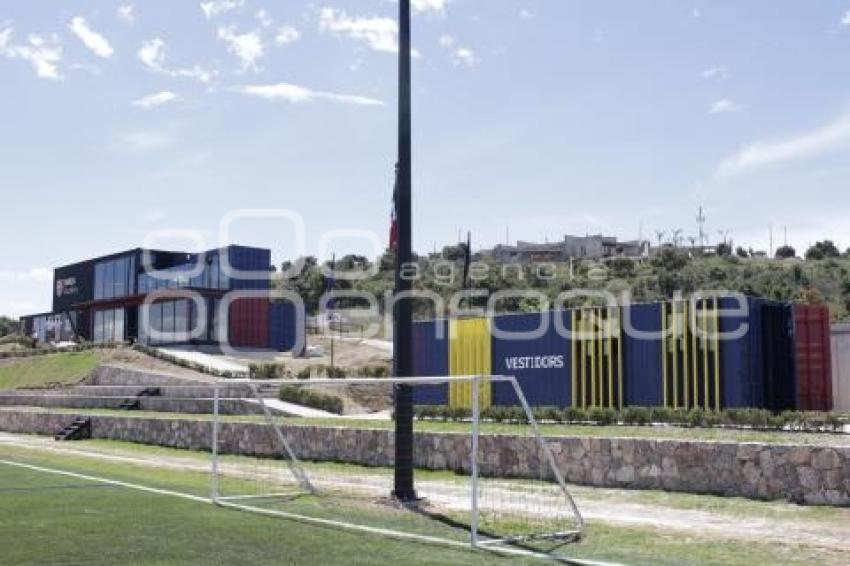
(394, 214)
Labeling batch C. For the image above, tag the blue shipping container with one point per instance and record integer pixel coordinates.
(283, 329)
(741, 358)
(431, 359)
(537, 353)
(642, 355)
(255, 261)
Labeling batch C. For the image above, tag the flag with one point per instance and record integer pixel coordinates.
(394, 214)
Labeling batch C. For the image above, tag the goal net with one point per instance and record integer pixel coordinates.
(323, 450)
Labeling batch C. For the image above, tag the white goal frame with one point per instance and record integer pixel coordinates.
(502, 545)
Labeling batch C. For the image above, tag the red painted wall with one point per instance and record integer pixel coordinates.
(814, 360)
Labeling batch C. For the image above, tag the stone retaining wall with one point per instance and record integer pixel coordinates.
(809, 474)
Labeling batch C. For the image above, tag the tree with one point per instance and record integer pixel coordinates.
(821, 250)
(785, 252)
(741, 252)
(8, 326)
(723, 249)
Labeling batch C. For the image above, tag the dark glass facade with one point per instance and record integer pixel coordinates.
(107, 299)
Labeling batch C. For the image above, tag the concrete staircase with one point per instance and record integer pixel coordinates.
(78, 429)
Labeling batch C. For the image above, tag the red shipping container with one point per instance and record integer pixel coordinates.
(813, 357)
(249, 323)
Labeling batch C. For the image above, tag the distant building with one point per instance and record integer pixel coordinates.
(596, 247)
(119, 298)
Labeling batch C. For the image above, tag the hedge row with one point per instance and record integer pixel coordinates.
(309, 398)
(159, 354)
(83, 347)
(750, 418)
(279, 371)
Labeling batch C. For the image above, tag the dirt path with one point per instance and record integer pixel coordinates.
(542, 500)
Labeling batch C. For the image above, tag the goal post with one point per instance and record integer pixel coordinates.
(338, 470)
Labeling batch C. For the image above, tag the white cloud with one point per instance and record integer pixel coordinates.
(295, 94)
(87, 67)
(845, 21)
(264, 18)
(724, 106)
(421, 6)
(830, 138)
(94, 41)
(464, 56)
(218, 7)
(154, 100)
(142, 140)
(43, 52)
(460, 55)
(248, 47)
(526, 14)
(286, 34)
(380, 34)
(152, 56)
(126, 14)
(716, 72)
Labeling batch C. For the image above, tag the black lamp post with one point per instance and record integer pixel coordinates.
(403, 488)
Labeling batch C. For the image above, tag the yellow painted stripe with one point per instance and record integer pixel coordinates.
(675, 325)
(469, 354)
(574, 350)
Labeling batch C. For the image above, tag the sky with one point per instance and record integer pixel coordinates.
(125, 124)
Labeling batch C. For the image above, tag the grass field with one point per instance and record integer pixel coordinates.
(49, 519)
(39, 371)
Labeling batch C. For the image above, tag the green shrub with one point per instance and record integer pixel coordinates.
(636, 416)
(603, 415)
(696, 417)
(376, 370)
(266, 371)
(310, 398)
(661, 414)
(576, 415)
(303, 373)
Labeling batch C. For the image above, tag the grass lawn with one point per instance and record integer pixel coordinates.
(48, 519)
(39, 371)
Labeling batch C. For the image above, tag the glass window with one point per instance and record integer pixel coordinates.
(119, 283)
(108, 280)
(98, 281)
(107, 325)
(155, 314)
(118, 334)
(168, 317)
(98, 326)
(219, 323)
(214, 272)
(131, 275)
(181, 320)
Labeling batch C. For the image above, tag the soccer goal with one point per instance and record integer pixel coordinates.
(499, 491)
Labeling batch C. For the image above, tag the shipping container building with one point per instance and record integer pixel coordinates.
(813, 353)
(711, 353)
(108, 299)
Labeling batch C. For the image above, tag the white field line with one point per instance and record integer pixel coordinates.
(302, 518)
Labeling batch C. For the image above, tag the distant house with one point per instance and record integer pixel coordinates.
(596, 247)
